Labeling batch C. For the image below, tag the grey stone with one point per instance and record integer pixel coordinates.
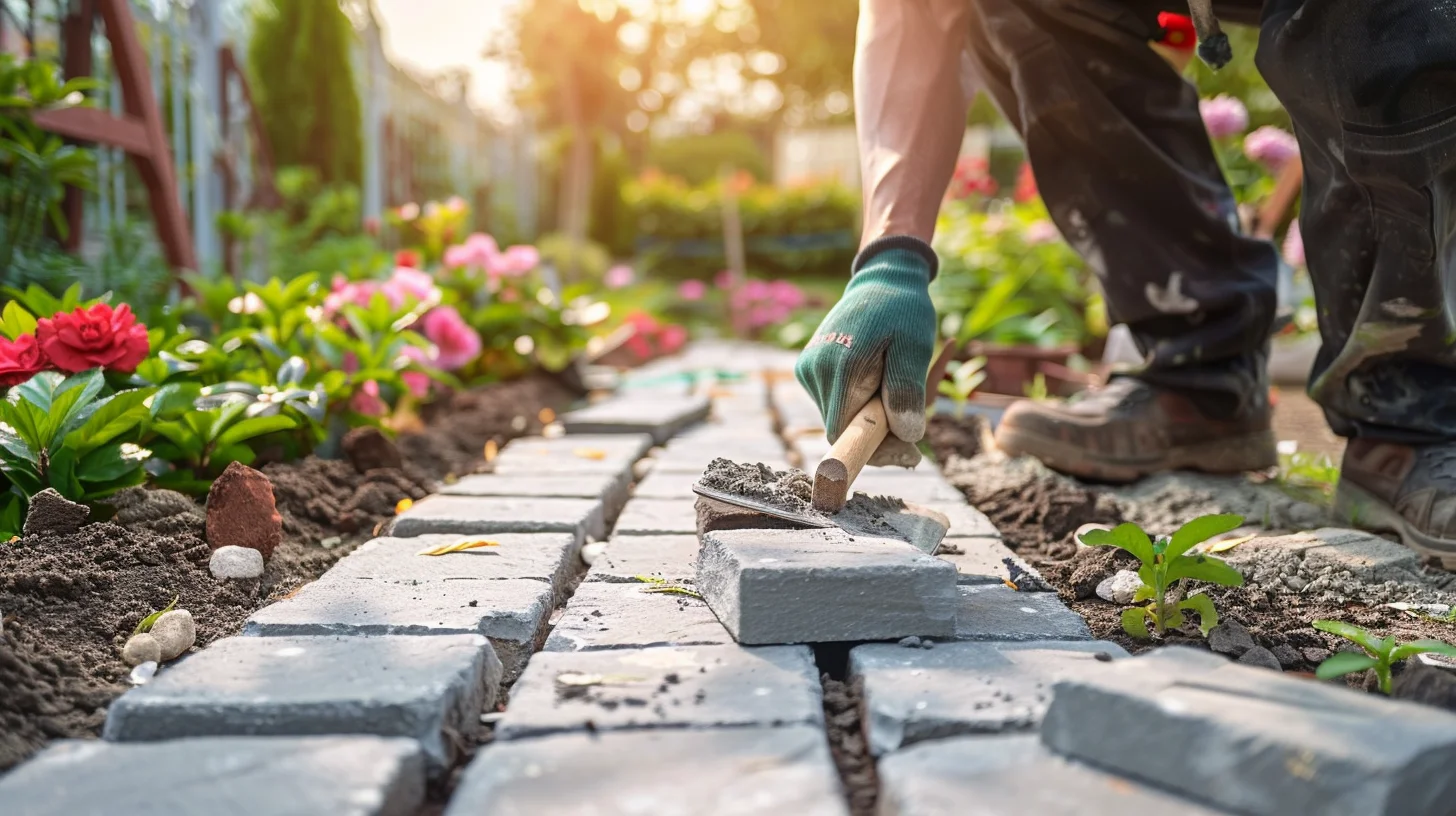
(1001, 613)
(1120, 587)
(923, 485)
(431, 689)
(577, 451)
(723, 772)
(236, 562)
(659, 416)
(1283, 745)
(487, 515)
(1261, 658)
(965, 520)
(1230, 638)
(549, 557)
(630, 616)
(979, 560)
(277, 776)
(610, 488)
(695, 456)
(658, 517)
(671, 558)
(1011, 776)
(513, 614)
(662, 484)
(676, 687)
(1362, 552)
(963, 688)
(809, 586)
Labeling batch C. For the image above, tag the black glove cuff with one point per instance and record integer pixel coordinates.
(909, 242)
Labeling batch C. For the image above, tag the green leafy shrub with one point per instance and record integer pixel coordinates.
(1380, 653)
(1168, 564)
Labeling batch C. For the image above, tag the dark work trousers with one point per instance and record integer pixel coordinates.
(1128, 173)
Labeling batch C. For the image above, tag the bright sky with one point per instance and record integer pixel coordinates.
(432, 35)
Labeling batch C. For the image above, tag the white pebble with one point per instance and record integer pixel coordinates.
(1120, 587)
(141, 648)
(591, 552)
(142, 673)
(175, 633)
(236, 562)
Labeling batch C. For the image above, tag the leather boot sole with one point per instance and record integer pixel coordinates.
(1235, 454)
(1363, 509)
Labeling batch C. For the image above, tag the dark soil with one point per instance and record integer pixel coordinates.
(964, 437)
(1039, 513)
(847, 744)
(70, 601)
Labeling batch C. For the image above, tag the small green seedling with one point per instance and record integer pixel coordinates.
(1308, 477)
(1168, 564)
(965, 378)
(146, 623)
(1379, 655)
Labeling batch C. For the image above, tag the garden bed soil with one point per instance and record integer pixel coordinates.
(70, 601)
(1039, 512)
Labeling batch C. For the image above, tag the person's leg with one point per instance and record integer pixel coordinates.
(1371, 87)
(1125, 165)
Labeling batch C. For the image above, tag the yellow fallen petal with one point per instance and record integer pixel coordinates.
(492, 450)
(459, 546)
(590, 453)
(547, 416)
(673, 590)
(1229, 544)
(403, 505)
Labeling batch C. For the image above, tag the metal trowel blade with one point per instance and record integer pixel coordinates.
(759, 507)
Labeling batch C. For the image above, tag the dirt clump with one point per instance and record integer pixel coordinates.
(789, 490)
(966, 438)
(369, 449)
(50, 513)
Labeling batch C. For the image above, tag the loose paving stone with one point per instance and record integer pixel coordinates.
(611, 489)
(472, 515)
(913, 694)
(1012, 776)
(658, 517)
(629, 616)
(810, 586)
(549, 557)
(998, 612)
(277, 776)
(677, 687)
(431, 689)
(659, 416)
(575, 450)
(671, 558)
(979, 560)
(661, 484)
(512, 613)
(724, 772)
(1282, 744)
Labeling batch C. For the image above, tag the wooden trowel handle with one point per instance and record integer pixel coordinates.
(848, 456)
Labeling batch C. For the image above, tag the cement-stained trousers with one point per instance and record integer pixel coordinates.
(1127, 170)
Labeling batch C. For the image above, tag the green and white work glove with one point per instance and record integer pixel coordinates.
(879, 338)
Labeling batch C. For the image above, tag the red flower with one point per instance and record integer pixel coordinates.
(1026, 189)
(96, 337)
(407, 258)
(1177, 31)
(20, 359)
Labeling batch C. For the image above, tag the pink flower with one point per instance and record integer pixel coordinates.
(618, 276)
(413, 283)
(366, 400)
(1294, 245)
(515, 262)
(692, 290)
(458, 343)
(724, 280)
(1224, 116)
(478, 252)
(1040, 232)
(1271, 147)
(786, 295)
(672, 338)
(418, 382)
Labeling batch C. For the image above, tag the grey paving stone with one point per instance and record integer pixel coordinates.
(626, 616)
(998, 612)
(657, 517)
(672, 558)
(272, 776)
(1282, 744)
(576, 450)
(659, 416)
(979, 559)
(431, 689)
(965, 520)
(723, 772)
(674, 687)
(696, 461)
(485, 515)
(611, 489)
(1012, 776)
(550, 557)
(923, 485)
(512, 613)
(914, 694)
(809, 586)
(663, 484)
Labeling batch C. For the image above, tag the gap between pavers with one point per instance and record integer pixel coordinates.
(338, 776)
(1283, 744)
(431, 689)
(672, 687)
(813, 586)
(472, 515)
(611, 489)
(671, 558)
(657, 517)
(913, 694)
(737, 771)
(513, 613)
(998, 612)
(1003, 775)
(631, 616)
(659, 416)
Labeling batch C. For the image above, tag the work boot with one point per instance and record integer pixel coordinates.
(1404, 489)
(1129, 429)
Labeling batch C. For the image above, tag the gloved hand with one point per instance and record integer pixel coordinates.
(878, 338)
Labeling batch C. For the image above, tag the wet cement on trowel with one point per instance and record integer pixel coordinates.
(792, 491)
